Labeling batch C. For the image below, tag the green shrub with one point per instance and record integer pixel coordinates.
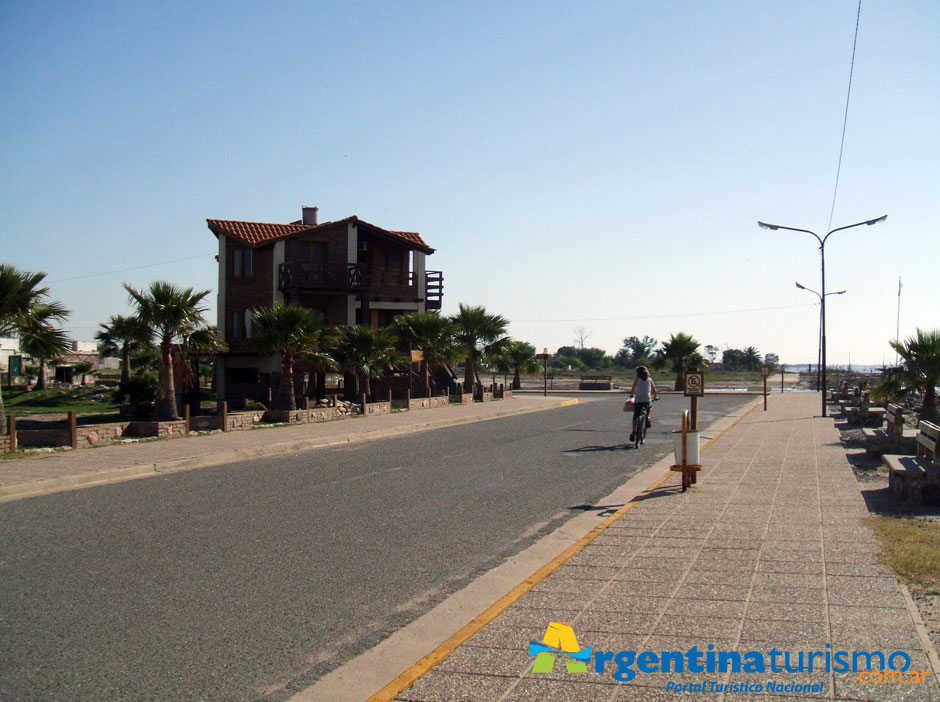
(139, 389)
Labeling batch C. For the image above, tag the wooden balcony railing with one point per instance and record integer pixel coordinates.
(354, 278)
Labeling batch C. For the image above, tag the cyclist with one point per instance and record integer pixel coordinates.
(643, 393)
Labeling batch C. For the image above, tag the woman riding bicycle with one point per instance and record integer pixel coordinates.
(643, 393)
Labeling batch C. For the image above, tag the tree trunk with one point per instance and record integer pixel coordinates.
(425, 378)
(284, 399)
(365, 385)
(164, 406)
(351, 387)
(516, 380)
(41, 381)
(3, 413)
(468, 375)
(125, 363)
(929, 410)
(321, 385)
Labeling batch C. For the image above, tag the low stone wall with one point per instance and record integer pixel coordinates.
(483, 396)
(314, 414)
(428, 402)
(99, 434)
(158, 429)
(4, 443)
(464, 398)
(372, 408)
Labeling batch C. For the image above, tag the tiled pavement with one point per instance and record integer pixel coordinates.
(768, 550)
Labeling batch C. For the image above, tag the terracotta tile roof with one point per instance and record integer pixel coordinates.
(257, 233)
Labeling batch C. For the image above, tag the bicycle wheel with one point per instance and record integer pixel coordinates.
(640, 429)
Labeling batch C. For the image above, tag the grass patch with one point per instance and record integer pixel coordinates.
(910, 547)
(82, 400)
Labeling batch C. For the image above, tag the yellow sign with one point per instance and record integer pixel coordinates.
(417, 356)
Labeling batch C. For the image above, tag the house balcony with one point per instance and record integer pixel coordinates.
(353, 278)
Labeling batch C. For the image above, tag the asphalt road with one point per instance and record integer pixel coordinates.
(252, 580)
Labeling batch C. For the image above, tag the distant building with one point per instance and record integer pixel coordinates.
(351, 271)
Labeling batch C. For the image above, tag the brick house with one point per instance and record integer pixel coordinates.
(351, 271)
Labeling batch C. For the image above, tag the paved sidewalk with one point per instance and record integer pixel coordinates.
(66, 470)
(767, 551)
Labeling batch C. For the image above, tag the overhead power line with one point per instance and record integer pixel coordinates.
(132, 268)
(666, 316)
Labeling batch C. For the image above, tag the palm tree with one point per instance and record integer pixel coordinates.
(122, 335)
(203, 341)
(680, 353)
(521, 358)
(919, 371)
(477, 333)
(751, 357)
(169, 312)
(41, 340)
(291, 331)
(20, 296)
(365, 353)
(431, 334)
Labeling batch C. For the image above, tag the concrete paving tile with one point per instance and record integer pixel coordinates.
(550, 600)
(651, 576)
(720, 542)
(610, 548)
(785, 580)
(641, 693)
(697, 626)
(499, 636)
(718, 576)
(567, 584)
(615, 622)
(683, 553)
(617, 601)
(868, 570)
(783, 595)
(874, 637)
(534, 689)
(782, 632)
(725, 609)
(442, 686)
(712, 591)
(794, 567)
(488, 661)
(678, 542)
(661, 563)
(780, 681)
(850, 590)
(586, 572)
(795, 612)
(536, 618)
(738, 566)
(594, 559)
(883, 616)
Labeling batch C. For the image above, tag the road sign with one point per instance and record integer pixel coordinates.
(694, 384)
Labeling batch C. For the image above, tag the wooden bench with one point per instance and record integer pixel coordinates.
(596, 382)
(894, 438)
(916, 479)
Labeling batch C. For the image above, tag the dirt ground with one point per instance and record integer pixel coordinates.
(873, 482)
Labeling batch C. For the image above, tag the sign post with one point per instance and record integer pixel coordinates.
(765, 371)
(544, 356)
(694, 388)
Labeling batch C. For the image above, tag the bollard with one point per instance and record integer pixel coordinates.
(73, 429)
(224, 415)
(11, 431)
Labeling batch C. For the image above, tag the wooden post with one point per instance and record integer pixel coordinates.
(73, 429)
(363, 404)
(408, 399)
(187, 418)
(390, 398)
(765, 393)
(224, 415)
(694, 417)
(11, 431)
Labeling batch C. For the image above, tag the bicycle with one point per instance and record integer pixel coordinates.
(639, 437)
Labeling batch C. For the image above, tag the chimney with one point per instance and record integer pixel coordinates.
(310, 216)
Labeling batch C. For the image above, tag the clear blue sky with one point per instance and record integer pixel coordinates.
(575, 164)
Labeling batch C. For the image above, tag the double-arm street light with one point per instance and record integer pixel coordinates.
(819, 350)
(822, 295)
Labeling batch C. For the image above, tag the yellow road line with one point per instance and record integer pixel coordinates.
(424, 666)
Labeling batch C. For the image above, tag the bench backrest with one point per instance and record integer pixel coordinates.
(895, 417)
(927, 436)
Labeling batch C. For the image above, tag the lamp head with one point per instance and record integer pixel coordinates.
(773, 227)
(801, 287)
(882, 218)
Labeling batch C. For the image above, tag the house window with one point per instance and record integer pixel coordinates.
(242, 263)
(313, 251)
(241, 325)
(244, 375)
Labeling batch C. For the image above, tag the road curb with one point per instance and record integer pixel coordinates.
(35, 488)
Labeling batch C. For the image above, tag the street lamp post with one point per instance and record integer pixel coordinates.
(822, 295)
(819, 381)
